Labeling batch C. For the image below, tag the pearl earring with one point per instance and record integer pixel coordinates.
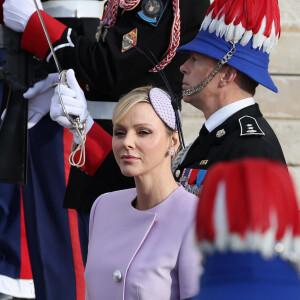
(171, 152)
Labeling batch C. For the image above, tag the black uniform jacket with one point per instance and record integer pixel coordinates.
(103, 66)
(109, 74)
(244, 134)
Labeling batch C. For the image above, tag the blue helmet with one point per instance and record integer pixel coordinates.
(254, 28)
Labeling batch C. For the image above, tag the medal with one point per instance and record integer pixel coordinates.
(200, 176)
(129, 40)
(152, 11)
(152, 8)
(185, 177)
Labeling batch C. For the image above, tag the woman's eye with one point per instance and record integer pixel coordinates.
(144, 132)
(119, 133)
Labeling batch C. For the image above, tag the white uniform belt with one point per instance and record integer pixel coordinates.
(74, 8)
(101, 110)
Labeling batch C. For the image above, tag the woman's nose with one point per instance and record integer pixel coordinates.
(128, 141)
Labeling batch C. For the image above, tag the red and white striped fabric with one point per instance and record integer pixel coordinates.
(249, 205)
(242, 20)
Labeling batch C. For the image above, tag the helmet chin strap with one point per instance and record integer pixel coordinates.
(204, 83)
(213, 73)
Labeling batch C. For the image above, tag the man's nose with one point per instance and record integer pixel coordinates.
(183, 69)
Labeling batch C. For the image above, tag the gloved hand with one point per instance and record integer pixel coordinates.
(39, 98)
(75, 105)
(16, 13)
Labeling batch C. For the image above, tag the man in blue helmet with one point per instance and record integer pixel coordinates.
(229, 57)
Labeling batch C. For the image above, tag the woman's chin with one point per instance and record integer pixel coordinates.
(128, 173)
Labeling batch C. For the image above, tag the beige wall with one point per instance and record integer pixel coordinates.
(282, 110)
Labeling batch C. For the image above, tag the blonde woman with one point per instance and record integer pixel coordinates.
(141, 243)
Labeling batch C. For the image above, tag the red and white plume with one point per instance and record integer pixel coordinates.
(241, 20)
(249, 206)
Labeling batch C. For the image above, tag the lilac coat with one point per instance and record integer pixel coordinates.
(154, 250)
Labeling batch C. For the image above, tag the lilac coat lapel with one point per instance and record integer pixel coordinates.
(125, 218)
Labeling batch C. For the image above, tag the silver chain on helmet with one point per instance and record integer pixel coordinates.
(213, 73)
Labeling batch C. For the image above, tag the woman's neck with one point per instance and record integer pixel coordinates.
(152, 190)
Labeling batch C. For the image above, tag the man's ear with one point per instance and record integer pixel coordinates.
(228, 75)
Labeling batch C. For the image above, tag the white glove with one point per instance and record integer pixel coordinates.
(39, 98)
(16, 13)
(75, 105)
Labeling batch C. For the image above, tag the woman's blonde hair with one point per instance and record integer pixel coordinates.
(138, 95)
(135, 96)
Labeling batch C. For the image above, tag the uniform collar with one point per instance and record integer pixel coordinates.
(204, 140)
(225, 112)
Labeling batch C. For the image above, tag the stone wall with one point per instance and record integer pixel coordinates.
(282, 110)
